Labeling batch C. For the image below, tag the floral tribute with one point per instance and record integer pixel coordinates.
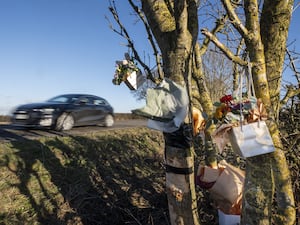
(123, 70)
(231, 112)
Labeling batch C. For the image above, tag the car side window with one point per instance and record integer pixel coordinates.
(73, 100)
(99, 102)
(91, 101)
(83, 101)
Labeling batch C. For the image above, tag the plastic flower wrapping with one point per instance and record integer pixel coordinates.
(231, 111)
(123, 69)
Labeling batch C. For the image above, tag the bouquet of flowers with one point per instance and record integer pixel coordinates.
(232, 112)
(123, 70)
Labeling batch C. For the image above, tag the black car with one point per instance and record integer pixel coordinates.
(63, 112)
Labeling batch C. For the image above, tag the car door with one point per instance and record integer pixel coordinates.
(84, 111)
(100, 109)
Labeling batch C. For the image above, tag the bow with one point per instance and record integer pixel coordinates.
(258, 113)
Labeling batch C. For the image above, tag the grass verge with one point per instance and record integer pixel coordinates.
(111, 177)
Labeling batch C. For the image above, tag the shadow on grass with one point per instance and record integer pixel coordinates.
(107, 179)
(113, 178)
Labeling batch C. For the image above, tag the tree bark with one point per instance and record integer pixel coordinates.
(258, 193)
(275, 21)
(175, 27)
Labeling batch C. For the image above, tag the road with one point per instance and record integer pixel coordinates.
(11, 133)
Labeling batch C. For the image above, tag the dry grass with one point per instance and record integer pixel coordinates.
(113, 177)
(105, 178)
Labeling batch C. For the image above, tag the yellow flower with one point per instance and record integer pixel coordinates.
(219, 113)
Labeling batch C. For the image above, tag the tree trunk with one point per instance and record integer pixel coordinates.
(258, 192)
(201, 93)
(175, 27)
(261, 170)
(274, 30)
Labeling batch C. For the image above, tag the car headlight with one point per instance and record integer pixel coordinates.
(45, 110)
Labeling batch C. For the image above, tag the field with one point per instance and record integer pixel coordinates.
(112, 177)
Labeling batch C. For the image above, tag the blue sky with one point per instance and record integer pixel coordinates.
(52, 47)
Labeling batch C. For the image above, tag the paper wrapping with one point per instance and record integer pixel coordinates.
(225, 184)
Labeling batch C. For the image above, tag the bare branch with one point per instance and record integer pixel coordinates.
(153, 45)
(181, 16)
(234, 18)
(292, 63)
(123, 32)
(296, 6)
(291, 92)
(219, 25)
(223, 48)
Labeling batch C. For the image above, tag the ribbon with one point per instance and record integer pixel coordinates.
(258, 113)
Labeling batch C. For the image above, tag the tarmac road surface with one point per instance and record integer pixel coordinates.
(12, 133)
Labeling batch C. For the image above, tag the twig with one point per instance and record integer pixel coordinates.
(294, 142)
(292, 63)
(291, 92)
(131, 215)
(150, 38)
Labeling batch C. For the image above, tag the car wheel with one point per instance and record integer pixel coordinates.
(64, 122)
(109, 121)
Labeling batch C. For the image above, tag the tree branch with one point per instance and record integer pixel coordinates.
(223, 48)
(292, 63)
(123, 32)
(234, 18)
(291, 92)
(219, 25)
(151, 40)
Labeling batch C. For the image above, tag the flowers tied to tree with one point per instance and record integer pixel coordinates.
(123, 69)
(232, 110)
